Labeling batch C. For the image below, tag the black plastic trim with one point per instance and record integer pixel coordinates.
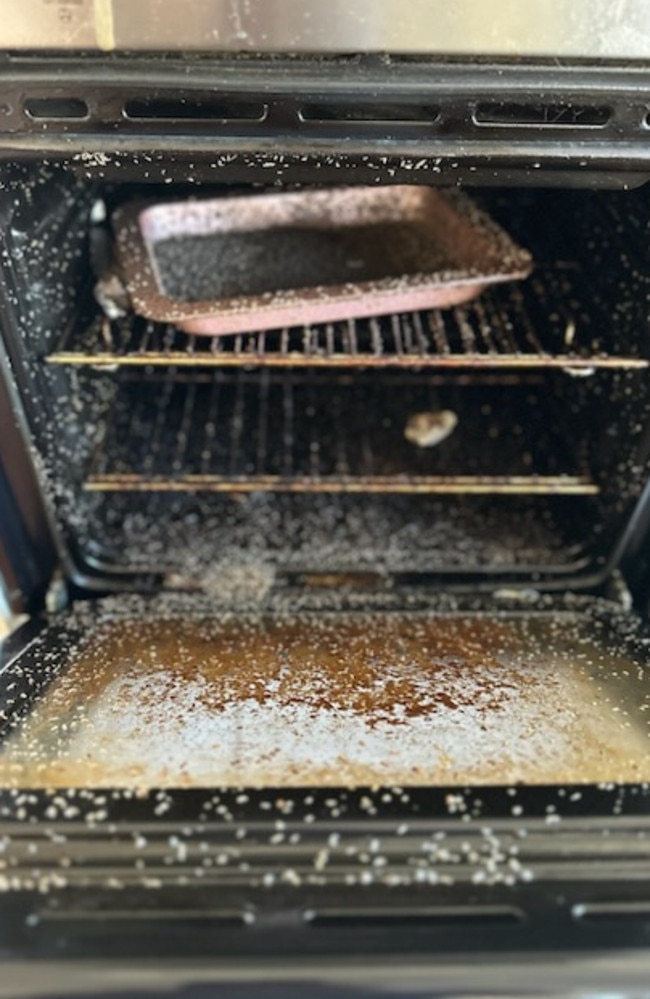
(567, 116)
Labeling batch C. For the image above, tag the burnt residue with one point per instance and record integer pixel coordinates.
(197, 268)
(163, 699)
(208, 537)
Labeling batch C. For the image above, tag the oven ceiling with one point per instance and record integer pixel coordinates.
(612, 29)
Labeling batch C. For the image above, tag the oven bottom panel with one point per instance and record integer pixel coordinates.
(331, 698)
(399, 774)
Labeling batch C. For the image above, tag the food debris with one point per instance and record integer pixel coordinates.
(430, 429)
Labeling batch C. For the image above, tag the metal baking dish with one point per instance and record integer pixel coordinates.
(233, 264)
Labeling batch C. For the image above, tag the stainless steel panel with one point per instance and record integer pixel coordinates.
(43, 24)
(583, 28)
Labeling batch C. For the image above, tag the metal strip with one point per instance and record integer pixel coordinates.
(205, 358)
(518, 485)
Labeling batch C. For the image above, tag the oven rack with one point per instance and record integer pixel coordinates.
(231, 433)
(552, 320)
(449, 485)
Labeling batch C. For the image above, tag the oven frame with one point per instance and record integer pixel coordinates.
(282, 145)
(28, 559)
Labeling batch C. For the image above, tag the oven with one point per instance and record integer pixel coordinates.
(334, 640)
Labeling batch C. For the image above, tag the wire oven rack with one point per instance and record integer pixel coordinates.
(549, 321)
(283, 432)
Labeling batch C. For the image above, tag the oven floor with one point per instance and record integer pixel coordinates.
(384, 534)
(338, 699)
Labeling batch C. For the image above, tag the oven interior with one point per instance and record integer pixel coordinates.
(242, 521)
(168, 459)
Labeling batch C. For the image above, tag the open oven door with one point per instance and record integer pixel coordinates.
(179, 782)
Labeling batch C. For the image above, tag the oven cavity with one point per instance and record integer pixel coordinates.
(170, 458)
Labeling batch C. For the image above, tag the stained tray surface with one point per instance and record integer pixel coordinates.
(337, 699)
(234, 264)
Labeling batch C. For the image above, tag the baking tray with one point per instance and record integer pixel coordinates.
(266, 261)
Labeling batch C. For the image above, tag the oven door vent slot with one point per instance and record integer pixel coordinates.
(56, 108)
(437, 917)
(193, 108)
(371, 113)
(514, 115)
(612, 912)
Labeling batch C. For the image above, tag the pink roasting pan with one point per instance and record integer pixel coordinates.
(243, 263)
